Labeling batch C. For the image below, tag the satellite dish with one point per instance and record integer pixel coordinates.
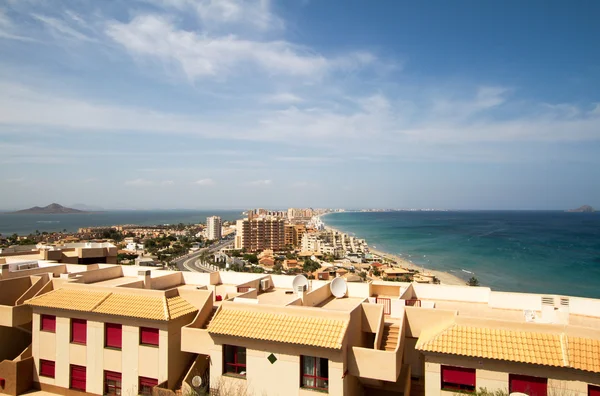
(338, 287)
(197, 381)
(300, 281)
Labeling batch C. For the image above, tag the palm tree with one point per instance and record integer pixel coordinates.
(473, 281)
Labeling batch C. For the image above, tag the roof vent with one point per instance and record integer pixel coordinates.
(548, 301)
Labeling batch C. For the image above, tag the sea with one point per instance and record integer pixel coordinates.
(24, 224)
(548, 252)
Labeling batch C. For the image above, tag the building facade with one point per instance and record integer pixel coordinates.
(213, 228)
(260, 233)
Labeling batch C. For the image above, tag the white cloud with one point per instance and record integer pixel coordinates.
(283, 98)
(59, 27)
(215, 13)
(265, 182)
(204, 182)
(202, 55)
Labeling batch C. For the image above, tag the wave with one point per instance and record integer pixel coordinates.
(48, 221)
(468, 272)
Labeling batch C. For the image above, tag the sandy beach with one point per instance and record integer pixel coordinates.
(445, 278)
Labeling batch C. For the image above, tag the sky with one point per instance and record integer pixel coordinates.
(222, 104)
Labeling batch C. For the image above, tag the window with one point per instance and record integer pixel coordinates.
(113, 335)
(458, 378)
(235, 360)
(146, 385)
(593, 390)
(112, 383)
(148, 336)
(46, 368)
(78, 378)
(78, 331)
(532, 386)
(48, 323)
(315, 372)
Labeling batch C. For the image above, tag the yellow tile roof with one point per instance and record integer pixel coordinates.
(546, 349)
(121, 304)
(516, 346)
(279, 327)
(584, 354)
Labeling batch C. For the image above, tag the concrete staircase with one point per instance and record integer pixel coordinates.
(389, 339)
(210, 316)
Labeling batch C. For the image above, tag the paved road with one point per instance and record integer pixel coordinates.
(189, 261)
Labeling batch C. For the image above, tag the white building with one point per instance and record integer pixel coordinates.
(213, 228)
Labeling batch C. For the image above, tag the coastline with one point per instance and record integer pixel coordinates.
(445, 278)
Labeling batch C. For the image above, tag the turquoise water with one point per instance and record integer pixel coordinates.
(537, 252)
(28, 223)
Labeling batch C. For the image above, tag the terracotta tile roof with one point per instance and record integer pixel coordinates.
(121, 304)
(279, 327)
(531, 347)
(71, 299)
(515, 346)
(584, 354)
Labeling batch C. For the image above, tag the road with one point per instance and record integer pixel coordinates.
(189, 261)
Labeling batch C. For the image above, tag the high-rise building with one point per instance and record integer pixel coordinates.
(213, 228)
(260, 233)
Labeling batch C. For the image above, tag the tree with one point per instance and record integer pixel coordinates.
(251, 258)
(376, 272)
(473, 281)
(310, 265)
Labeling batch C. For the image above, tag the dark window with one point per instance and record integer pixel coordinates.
(112, 383)
(235, 360)
(47, 368)
(458, 378)
(113, 335)
(148, 336)
(146, 385)
(593, 390)
(315, 372)
(532, 386)
(48, 323)
(78, 378)
(78, 331)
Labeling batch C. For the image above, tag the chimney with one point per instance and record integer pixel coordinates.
(145, 275)
(4, 269)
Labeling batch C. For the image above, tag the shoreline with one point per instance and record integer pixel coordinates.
(445, 278)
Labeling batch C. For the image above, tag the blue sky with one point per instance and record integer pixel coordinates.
(235, 104)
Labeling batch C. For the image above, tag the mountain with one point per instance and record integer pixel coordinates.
(582, 209)
(53, 208)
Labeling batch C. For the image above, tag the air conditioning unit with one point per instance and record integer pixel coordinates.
(564, 302)
(548, 301)
(265, 284)
(300, 288)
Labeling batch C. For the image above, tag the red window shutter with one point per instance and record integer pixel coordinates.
(593, 390)
(112, 376)
(48, 323)
(532, 386)
(148, 336)
(47, 368)
(79, 331)
(148, 382)
(458, 375)
(78, 378)
(114, 335)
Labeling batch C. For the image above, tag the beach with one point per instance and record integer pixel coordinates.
(445, 278)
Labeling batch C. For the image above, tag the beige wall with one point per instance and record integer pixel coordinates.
(282, 377)
(132, 361)
(493, 375)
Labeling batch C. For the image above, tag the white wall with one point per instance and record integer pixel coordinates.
(506, 300)
(452, 293)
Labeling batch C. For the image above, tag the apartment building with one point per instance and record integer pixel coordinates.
(96, 329)
(260, 233)
(213, 228)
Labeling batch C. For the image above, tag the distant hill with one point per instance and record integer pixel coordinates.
(53, 208)
(582, 209)
(86, 208)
